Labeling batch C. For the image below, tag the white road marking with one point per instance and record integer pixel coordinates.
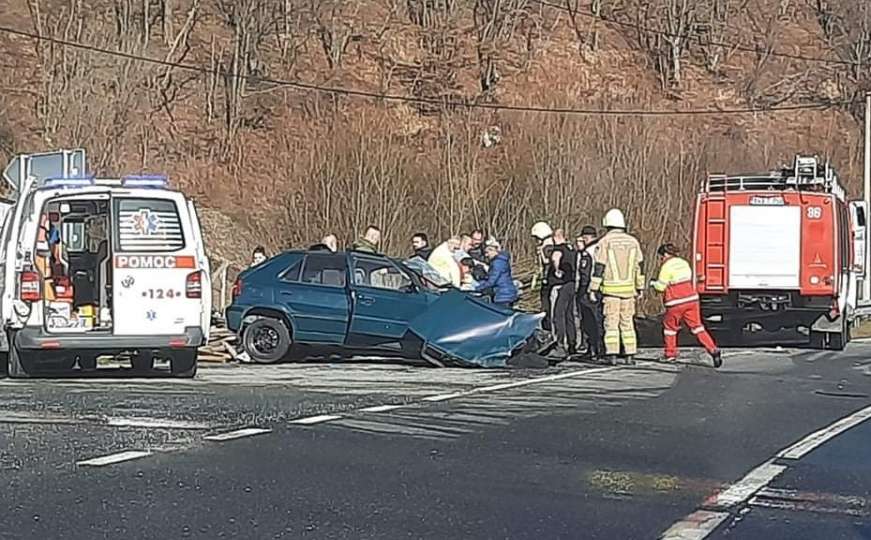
(804, 446)
(696, 526)
(743, 489)
(315, 419)
(111, 459)
(761, 476)
(381, 408)
(156, 423)
(445, 397)
(238, 434)
(516, 384)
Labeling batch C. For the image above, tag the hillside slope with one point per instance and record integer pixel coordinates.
(286, 164)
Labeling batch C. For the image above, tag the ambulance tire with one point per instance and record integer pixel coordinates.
(183, 363)
(267, 340)
(15, 365)
(142, 363)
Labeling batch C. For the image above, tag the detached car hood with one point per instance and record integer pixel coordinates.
(461, 330)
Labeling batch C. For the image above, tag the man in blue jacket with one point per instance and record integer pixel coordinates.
(499, 278)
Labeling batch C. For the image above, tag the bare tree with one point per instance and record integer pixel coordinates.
(337, 27)
(715, 25)
(673, 23)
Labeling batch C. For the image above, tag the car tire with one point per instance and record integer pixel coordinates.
(142, 363)
(183, 363)
(267, 340)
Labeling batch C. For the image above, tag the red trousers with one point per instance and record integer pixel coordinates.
(689, 313)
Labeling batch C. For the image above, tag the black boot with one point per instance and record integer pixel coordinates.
(717, 357)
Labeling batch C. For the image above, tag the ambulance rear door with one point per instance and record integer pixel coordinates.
(157, 278)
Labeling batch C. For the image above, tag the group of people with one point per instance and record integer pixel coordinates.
(601, 279)
(471, 263)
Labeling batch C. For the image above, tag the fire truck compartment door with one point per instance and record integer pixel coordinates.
(764, 247)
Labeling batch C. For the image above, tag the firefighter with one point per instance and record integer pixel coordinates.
(681, 301)
(619, 276)
(543, 235)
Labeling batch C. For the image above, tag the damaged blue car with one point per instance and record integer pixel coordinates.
(362, 303)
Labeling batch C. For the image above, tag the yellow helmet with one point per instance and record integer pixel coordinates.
(614, 219)
(542, 230)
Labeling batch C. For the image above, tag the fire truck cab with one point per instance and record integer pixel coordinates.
(778, 256)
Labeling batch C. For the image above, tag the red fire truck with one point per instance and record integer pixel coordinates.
(778, 256)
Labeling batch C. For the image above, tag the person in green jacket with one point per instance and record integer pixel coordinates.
(370, 241)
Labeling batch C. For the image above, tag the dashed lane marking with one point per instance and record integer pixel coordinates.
(742, 490)
(319, 419)
(696, 526)
(381, 408)
(111, 459)
(155, 423)
(238, 434)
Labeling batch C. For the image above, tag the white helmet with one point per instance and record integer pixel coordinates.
(542, 230)
(614, 219)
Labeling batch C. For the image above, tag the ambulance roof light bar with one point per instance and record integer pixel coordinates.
(70, 182)
(155, 181)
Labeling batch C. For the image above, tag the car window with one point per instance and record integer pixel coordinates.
(291, 274)
(326, 269)
(380, 274)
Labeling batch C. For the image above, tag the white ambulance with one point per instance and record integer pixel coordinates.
(94, 267)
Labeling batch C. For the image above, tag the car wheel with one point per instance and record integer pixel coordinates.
(266, 340)
(142, 362)
(183, 363)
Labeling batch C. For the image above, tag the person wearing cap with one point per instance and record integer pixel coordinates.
(499, 278)
(589, 306)
(675, 283)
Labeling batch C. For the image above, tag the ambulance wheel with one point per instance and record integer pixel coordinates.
(183, 363)
(15, 364)
(142, 362)
(266, 340)
(88, 362)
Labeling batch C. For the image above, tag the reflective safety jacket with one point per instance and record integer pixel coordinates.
(618, 269)
(676, 282)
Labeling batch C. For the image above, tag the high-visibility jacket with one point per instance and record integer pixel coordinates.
(618, 269)
(676, 282)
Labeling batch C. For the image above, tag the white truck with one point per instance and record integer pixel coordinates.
(94, 267)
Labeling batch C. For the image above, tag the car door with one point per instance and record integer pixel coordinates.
(384, 300)
(316, 297)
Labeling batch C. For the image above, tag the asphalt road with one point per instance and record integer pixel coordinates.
(389, 451)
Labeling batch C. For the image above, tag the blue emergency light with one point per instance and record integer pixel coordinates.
(70, 182)
(158, 181)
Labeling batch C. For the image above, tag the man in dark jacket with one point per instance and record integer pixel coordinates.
(499, 278)
(420, 244)
(561, 279)
(476, 250)
(589, 310)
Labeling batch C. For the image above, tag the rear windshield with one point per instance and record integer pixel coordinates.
(148, 225)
